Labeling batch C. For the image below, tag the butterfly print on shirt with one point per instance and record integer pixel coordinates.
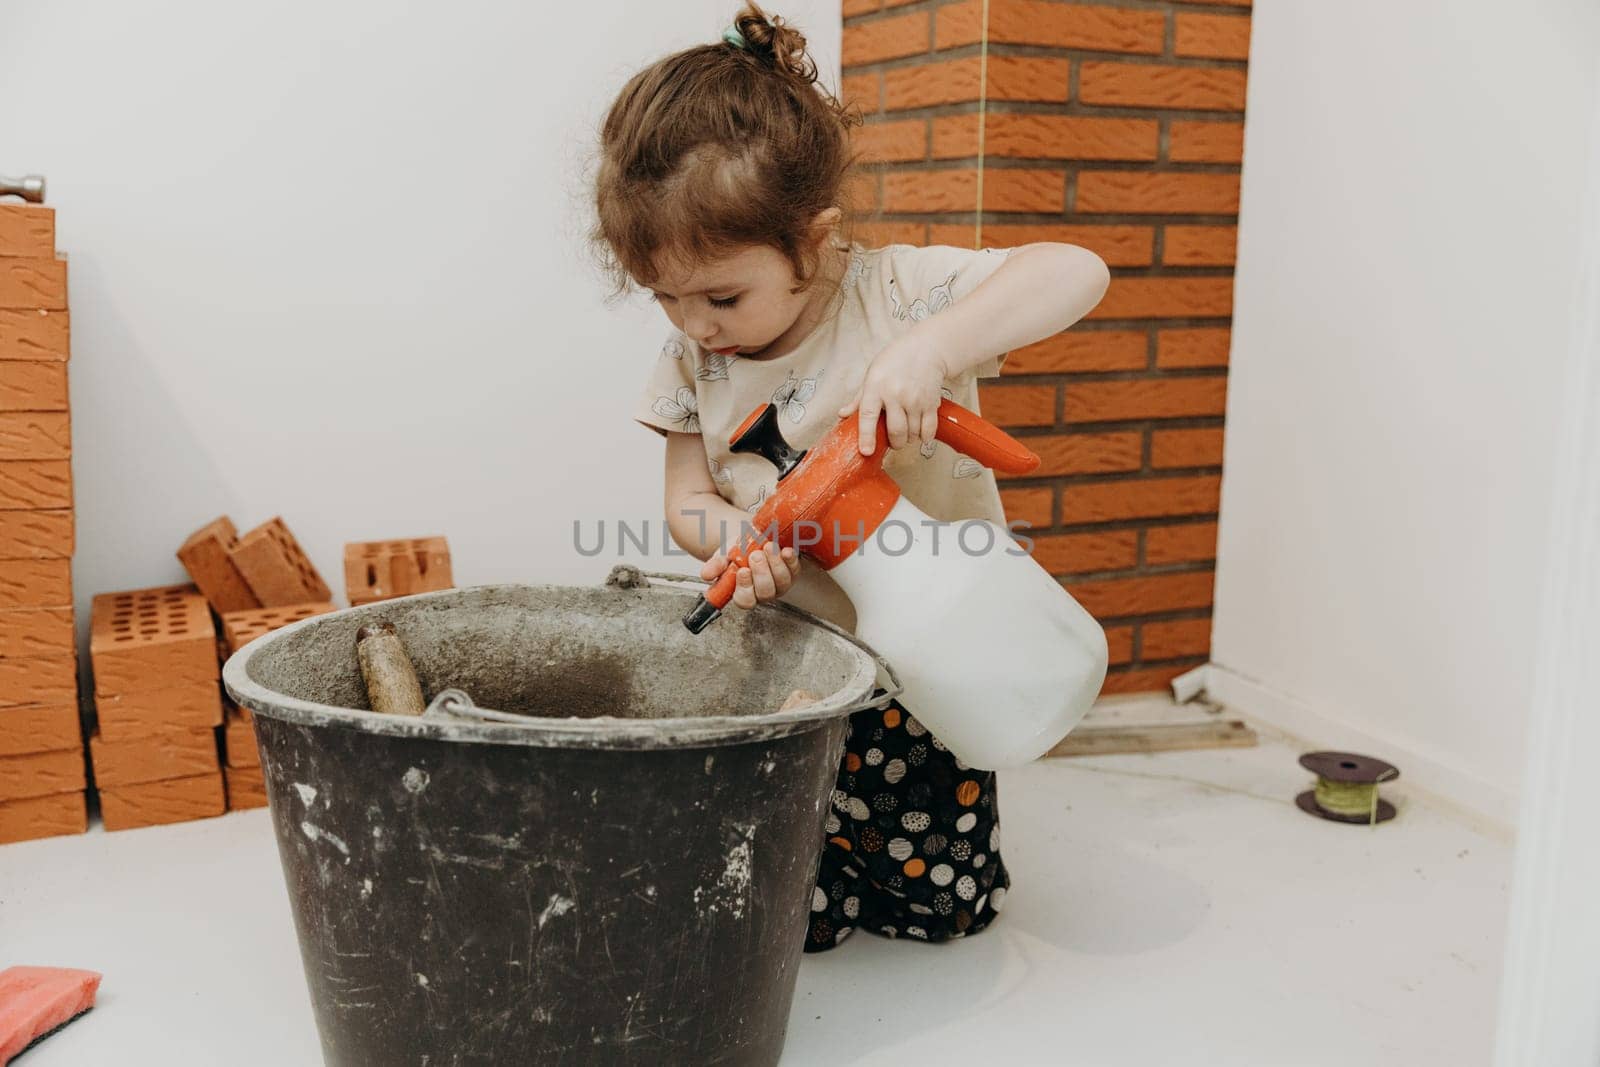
(683, 410)
(937, 300)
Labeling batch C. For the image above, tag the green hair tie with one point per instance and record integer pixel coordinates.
(732, 36)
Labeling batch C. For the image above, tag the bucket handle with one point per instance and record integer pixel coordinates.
(627, 576)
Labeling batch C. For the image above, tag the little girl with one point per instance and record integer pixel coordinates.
(722, 191)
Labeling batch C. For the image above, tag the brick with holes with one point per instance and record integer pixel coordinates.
(247, 788)
(151, 639)
(42, 774)
(39, 728)
(239, 628)
(128, 716)
(157, 803)
(156, 757)
(276, 568)
(382, 570)
(36, 817)
(207, 556)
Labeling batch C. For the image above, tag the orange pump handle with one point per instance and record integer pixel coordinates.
(971, 434)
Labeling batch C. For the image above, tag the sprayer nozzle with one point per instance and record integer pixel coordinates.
(703, 614)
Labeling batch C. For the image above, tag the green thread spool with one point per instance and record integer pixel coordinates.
(1347, 788)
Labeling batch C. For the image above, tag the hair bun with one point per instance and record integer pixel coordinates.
(776, 43)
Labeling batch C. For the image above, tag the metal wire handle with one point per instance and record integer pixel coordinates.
(627, 576)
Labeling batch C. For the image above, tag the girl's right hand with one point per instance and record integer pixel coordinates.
(769, 575)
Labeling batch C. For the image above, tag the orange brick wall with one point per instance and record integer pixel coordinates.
(1118, 126)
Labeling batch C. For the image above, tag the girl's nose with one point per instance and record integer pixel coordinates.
(700, 328)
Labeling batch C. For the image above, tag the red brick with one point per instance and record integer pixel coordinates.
(129, 716)
(27, 230)
(917, 192)
(239, 740)
(33, 284)
(1018, 405)
(28, 435)
(39, 728)
(1081, 350)
(1157, 85)
(1143, 498)
(1172, 640)
(276, 568)
(1084, 453)
(34, 334)
(36, 534)
(1083, 553)
(955, 81)
(46, 680)
(157, 803)
(247, 788)
(239, 628)
(380, 570)
(878, 234)
(1166, 298)
(32, 633)
(1143, 680)
(1109, 598)
(36, 817)
(904, 141)
(35, 583)
(207, 556)
(1157, 193)
(1012, 136)
(151, 639)
(1119, 246)
(36, 484)
(1180, 544)
(33, 386)
(1205, 346)
(1119, 644)
(42, 774)
(1186, 448)
(852, 8)
(862, 90)
(888, 38)
(154, 757)
(1029, 505)
(1205, 142)
(1212, 36)
(1145, 398)
(1199, 246)
(1100, 29)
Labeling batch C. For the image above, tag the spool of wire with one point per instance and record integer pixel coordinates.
(1347, 788)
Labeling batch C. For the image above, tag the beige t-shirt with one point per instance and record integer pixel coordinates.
(884, 292)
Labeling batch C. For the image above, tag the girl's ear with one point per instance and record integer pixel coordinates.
(824, 223)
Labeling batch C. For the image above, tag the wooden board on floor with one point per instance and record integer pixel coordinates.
(1153, 723)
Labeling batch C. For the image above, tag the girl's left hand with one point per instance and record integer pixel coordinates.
(902, 383)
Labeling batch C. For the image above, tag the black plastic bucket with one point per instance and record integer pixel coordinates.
(613, 866)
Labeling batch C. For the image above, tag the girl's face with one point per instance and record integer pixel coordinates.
(741, 303)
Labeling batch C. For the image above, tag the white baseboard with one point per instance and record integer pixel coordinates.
(1420, 772)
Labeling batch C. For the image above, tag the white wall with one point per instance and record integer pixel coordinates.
(1407, 251)
(328, 260)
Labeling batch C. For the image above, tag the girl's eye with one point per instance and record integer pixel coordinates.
(724, 302)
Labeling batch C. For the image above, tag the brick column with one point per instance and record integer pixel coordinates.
(1117, 126)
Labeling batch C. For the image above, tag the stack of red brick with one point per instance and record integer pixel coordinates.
(154, 749)
(383, 570)
(255, 584)
(42, 779)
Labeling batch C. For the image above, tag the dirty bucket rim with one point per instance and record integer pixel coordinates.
(601, 732)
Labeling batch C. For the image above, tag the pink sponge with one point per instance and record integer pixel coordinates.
(37, 1001)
